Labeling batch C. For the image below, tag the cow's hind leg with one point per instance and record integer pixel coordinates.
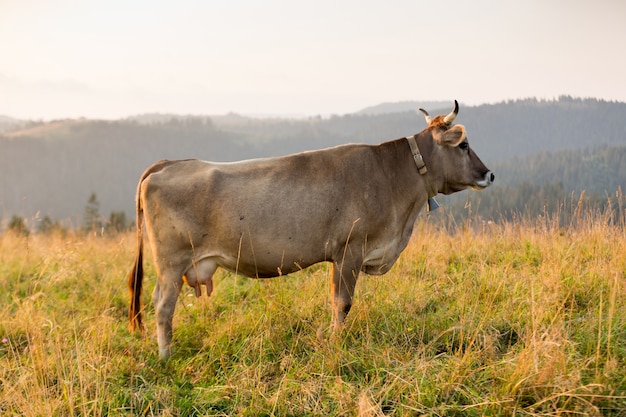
(343, 282)
(164, 298)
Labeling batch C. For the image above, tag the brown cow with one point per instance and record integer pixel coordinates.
(353, 205)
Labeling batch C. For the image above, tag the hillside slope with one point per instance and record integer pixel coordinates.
(52, 168)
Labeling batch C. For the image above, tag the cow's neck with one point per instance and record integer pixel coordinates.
(420, 164)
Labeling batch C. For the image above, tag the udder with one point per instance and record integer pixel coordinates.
(201, 273)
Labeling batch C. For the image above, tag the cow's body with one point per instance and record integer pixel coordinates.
(352, 205)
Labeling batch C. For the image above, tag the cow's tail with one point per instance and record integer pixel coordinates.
(135, 277)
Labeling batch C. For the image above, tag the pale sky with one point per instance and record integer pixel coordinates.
(115, 58)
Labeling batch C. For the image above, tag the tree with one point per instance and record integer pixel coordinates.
(18, 226)
(92, 221)
(117, 222)
(48, 226)
(45, 225)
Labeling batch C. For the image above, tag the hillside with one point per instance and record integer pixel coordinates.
(550, 182)
(52, 168)
(403, 106)
(8, 124)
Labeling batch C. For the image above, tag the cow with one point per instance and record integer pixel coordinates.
(352, 205)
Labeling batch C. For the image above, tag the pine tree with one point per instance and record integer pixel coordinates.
(91, 219)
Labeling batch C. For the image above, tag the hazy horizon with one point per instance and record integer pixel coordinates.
(72, 59)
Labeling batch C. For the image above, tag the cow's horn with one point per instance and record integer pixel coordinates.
(450, 118)
(426, 116)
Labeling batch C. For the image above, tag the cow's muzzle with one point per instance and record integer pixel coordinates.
(487, 181)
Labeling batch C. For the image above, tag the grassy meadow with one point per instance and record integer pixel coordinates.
(521, 318)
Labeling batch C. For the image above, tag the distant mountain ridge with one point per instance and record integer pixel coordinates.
(402, 106)
(52, 168)
(9, 123)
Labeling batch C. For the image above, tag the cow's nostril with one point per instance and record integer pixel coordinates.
(492, 177)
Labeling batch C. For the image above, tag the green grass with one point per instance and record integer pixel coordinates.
(512, 319)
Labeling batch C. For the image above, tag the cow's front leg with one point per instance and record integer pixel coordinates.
(164, 298)
(342, 284)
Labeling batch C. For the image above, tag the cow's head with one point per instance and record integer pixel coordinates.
(454, 164)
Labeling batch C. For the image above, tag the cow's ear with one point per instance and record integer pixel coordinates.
(453, 136)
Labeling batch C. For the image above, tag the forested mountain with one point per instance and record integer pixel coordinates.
(550, 182)
(532, 145)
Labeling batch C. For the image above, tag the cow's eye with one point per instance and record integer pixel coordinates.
(464, 145)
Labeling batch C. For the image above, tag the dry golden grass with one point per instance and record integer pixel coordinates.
(519, 318)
